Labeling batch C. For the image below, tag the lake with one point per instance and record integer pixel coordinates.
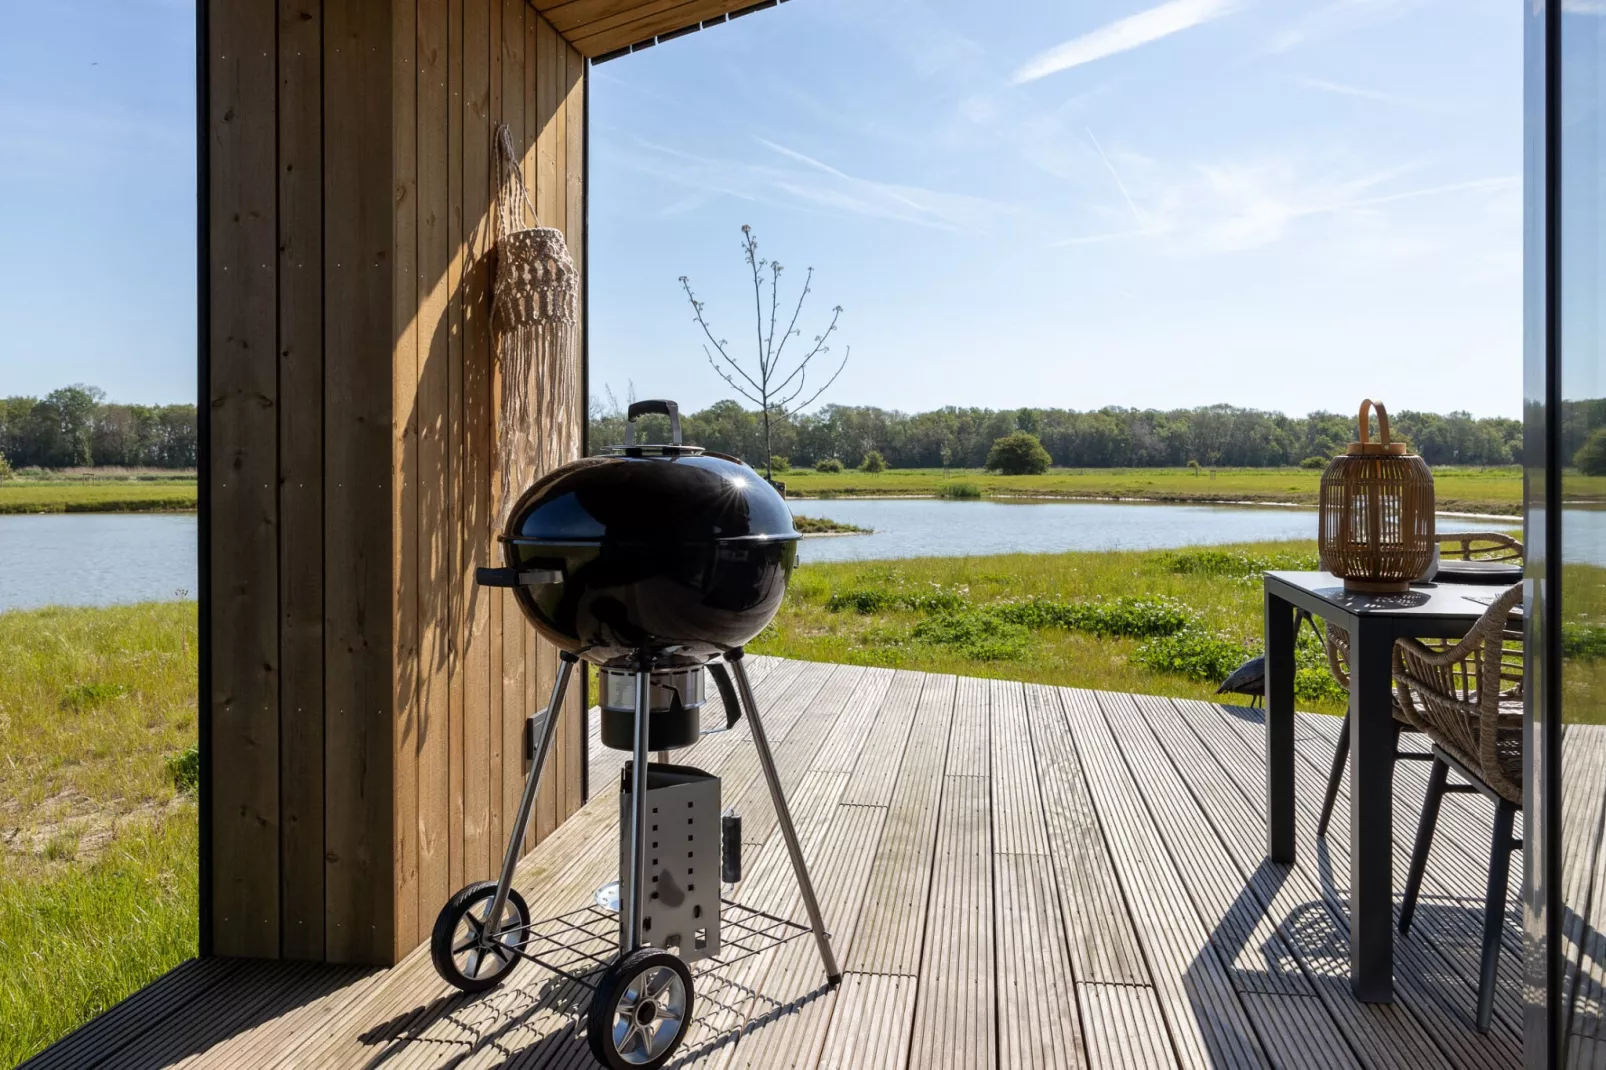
(930, 527)
(96, 559)
(104, 558)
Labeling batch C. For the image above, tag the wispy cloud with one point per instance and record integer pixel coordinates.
(1126, 194)
(1338, 17)
(801, 181)
(1348, 90)
(1239, 206)
(1123, 35)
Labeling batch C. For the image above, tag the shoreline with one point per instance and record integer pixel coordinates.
(1086, 499)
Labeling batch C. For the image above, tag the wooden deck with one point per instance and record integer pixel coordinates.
(1016, 876)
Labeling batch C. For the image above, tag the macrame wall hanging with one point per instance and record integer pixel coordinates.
(533, 317)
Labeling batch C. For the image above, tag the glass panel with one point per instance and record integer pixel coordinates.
(1537, 382)
(1581, 445)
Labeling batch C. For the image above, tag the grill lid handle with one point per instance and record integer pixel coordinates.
(643, 408)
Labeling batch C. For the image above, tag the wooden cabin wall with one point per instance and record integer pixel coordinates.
(367, 701)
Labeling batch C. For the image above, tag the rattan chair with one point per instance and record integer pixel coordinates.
(1467, 700)
(1453, 546)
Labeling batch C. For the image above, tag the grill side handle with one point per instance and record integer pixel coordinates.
(512, 577)
(727, 694)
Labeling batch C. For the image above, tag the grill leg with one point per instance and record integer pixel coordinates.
(638, 813)
(783, 817)
(532, 784)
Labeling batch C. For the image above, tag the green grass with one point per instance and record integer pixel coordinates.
(75, 938)
(1167, 622)
(88, 496)
(1471, 490)
(98, 864)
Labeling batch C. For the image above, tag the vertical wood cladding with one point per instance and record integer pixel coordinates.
(367, 700)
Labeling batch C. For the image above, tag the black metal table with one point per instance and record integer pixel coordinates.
(1374, 622)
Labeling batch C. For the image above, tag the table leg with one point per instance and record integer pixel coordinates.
(1279, 729)
(1371, 814)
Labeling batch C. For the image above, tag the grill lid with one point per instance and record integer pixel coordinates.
(669, 493)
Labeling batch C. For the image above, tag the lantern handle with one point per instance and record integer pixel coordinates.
(1366, 421)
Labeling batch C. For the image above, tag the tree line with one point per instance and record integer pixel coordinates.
(77, 426)
(952, 437)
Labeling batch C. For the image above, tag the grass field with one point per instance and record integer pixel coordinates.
(1155, 622)
(97, 838)
(1471, 490)
(86, 496)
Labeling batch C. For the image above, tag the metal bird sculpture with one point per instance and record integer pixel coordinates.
(1250, 677)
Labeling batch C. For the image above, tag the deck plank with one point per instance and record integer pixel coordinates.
(956, 1015)
(1103, 942)
(1206, 1021)
(870, 1029)
(1038, 1022)
(871, 784)
(795, 752)
(894, 911)
(1124, 1027)
(1018, 826)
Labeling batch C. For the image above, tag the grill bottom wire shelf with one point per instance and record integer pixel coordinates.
(575, 948)
(539, 1025)
(579, 945)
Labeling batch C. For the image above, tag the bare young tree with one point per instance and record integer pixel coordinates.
(769, 385)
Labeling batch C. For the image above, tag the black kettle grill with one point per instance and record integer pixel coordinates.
(655, 563)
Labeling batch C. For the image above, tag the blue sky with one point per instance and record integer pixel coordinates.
(1279, 203)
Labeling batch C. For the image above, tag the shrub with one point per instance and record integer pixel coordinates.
(867, 600)
(1230, 563)
(185, 768)
(959, 491)
(1018, 454)
(1201, 655)
(873, 462)
(1314, 462)
(828, 464)
(1198, 655)
(779, 464)
(1585, 642)
(1139, 618)
(5, 469)
(1591, 456)
(977, 635)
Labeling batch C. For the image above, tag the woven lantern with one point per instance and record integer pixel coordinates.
(1376, 525)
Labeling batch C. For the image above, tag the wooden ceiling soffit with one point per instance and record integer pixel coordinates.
(607, 29)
